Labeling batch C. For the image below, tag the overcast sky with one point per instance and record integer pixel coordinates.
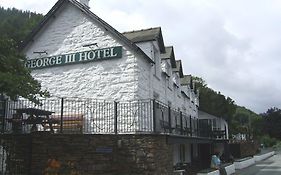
(232, 44)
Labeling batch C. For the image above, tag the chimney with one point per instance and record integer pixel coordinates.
(85, 3)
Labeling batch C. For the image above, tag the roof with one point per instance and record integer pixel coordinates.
(178, 68)
(205, 115)
(169, 54)
(186, 80)
(151, 34)
(84, 9)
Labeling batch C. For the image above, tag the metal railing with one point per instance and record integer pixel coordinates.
(88, 116)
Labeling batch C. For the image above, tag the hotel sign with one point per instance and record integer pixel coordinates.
(73, 58)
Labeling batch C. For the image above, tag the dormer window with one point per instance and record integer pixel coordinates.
(176, 79)
(166, 67)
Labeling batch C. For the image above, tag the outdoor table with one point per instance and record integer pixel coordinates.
(35, 116)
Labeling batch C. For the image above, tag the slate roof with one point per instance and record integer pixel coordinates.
(205, 115)
(52, 14)
(169, 54)
(151, 34)
(178, 68)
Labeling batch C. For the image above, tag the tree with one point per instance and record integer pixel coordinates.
(16, 24)
(247, 122)
(15, 78)
(272, 122)
(214, 102)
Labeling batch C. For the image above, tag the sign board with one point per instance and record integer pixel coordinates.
(74, 58)
(104, 150)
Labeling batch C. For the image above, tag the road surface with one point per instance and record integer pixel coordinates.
(270, 166)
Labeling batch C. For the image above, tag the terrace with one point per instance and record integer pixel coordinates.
(88, 116)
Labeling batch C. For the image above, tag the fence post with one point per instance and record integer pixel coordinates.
(190, 125)
(198, 131)
(115, 117)
(154, 115)
(225, 134)
(181, 123)
(61, 116)
(170, 120)
(3, 114)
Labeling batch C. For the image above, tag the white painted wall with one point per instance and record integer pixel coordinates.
(263, 156)
(114, 79)
(153, 81)
(128, 78)
(243, 164)
(215, 172)
(230, 169)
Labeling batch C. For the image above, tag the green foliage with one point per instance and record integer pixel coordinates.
(15, 78)
(214, 102)
(277, 146)
(240, 119)
(272, 122)
(16, 24)
(268, 141)
(247, 122)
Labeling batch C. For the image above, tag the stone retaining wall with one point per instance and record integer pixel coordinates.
(96, 154)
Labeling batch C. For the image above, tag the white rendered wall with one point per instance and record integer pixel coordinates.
(151, 83)
(113, 79)
(128, 78)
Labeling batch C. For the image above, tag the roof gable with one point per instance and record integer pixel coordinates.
(52, 14)
(169, 54)
(178, 68)
(151, 34)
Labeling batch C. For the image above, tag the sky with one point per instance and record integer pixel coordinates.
(234, 45)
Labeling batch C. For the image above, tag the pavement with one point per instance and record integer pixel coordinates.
(270, 166)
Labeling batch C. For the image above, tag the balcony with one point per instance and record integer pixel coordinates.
(88, 116)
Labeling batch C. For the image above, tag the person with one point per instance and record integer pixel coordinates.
(215, 161)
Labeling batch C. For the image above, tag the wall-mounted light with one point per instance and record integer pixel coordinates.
(91, 45)
(41, 52)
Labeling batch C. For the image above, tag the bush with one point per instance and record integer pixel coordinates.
(277, 146)
(268, 141)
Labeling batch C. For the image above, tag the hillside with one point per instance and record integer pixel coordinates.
(16, 24)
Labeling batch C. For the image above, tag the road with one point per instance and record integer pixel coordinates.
(270, 166)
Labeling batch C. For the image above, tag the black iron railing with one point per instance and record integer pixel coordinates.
(88, 116)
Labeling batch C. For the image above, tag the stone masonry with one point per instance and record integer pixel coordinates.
(92, 154)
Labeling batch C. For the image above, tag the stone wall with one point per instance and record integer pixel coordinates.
(98, 154)
(243, 149)
(15, 154)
